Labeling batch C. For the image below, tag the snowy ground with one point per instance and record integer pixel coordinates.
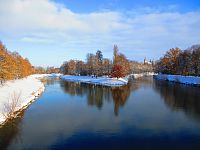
(104, 80)
(180, 79)
(30, 88)
(100, 80)
(46, 75)
(145, 74)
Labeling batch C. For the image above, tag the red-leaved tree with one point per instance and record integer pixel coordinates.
(117, 71)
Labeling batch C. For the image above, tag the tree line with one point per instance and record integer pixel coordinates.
(13, 65)
(97, 65)
(45, 70)
(180, 62)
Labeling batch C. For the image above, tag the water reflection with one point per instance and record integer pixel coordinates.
(120, 96)
(10, 132)
(97, 95)
(50, 80)
(80, 116)
(180, 97)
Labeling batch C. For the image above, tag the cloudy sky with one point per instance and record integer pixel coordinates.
(49, 32)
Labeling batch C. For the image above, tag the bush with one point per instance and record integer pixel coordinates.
(11, 105)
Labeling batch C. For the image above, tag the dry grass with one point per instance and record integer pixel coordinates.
(43, 80)
(12, 104)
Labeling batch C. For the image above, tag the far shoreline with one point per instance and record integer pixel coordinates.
(187, 80)
(104, 80)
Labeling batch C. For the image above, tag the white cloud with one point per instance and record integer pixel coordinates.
(44, 21)
(29, 15)
(36, 40)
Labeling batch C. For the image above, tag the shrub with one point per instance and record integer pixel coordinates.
(11, 105)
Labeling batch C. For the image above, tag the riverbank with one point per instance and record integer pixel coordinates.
(26, 90)
(190, 80)
(53, 75)
(106, 81)
(139, 75)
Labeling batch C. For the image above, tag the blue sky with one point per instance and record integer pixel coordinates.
(49, 32)
(86, 6)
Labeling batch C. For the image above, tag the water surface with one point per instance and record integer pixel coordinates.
(145, 114)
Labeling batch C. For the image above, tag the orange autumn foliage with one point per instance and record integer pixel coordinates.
(12, 65)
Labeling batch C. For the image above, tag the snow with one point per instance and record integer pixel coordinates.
(179, 79)
(104, 80)
(99, 80)
(47, 75)
(139, 75)
(29, 87)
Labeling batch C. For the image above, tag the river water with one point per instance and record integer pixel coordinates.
(145, 114)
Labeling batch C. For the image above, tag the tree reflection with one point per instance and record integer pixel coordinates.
(9, 132)
(73, 88)
(180, 97)
(97, 95)
(120, 96)
(49, 81)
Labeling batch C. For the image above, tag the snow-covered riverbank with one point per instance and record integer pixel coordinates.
(179, 79)
(27, 89)
(53, 75)
(99, 81)
(107, 81)
(139, 75)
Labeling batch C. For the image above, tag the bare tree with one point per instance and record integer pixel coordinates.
(11, 105)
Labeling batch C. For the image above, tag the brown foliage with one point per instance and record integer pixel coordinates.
(12, 65)
(121, 60)
(176, 61)
(117, 71)
(137, 67)
(95, 65)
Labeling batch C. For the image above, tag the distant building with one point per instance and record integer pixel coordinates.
(150, 62)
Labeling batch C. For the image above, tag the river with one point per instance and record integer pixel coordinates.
(145, 114)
